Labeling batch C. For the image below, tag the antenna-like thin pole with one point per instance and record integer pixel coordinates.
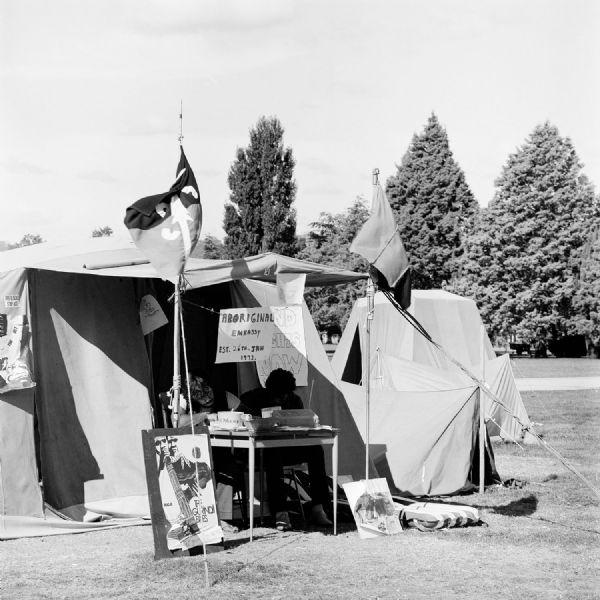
(180, 138)
(367, 373)
(482, 427)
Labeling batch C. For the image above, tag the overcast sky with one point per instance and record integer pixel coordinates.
(90, 95)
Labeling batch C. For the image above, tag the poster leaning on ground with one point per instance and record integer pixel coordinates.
(181, 490)
(373, 508)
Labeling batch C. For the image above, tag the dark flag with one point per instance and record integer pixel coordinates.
(166, 227)
(379, 242)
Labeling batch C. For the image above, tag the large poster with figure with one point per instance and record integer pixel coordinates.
(15, 333)
(181, 490)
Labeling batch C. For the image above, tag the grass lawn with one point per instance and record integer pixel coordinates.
(556, 367)
(541, 541)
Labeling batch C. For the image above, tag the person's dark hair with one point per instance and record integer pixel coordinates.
(280, 381)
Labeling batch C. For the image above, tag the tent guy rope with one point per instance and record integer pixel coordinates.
(483, 386)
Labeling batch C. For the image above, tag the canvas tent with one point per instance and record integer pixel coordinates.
(414, 364)
(96, 375)
(424, 434)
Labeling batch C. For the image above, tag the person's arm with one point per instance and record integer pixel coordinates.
(253, 402)
(293, 401)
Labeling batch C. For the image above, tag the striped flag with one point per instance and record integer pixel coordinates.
(379, 242)
(166, 227)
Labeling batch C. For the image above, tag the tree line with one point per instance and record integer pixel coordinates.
(530, 259)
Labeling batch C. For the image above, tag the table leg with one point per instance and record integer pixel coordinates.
(261, 484)
(334, 460)
(251, 458)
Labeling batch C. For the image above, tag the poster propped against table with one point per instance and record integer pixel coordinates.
(374, 511)
(181, 490)
(271, 336)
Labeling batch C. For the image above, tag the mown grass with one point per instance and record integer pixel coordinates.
(541, 541)
(556, 367)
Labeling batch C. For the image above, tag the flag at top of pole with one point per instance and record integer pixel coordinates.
(166, 227)
(379, 242)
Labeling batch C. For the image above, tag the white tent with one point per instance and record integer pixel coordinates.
(96, 375)
(403, 359)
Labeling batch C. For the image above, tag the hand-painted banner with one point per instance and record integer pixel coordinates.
(272, 336)
(244, 334)
(15, 333)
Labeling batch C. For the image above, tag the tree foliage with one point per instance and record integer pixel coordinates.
(328, 242)
(209, 247)
(105, 231)
(434, 206)
(29, 239)
(260, 216)
(524, 261)
(586, 302)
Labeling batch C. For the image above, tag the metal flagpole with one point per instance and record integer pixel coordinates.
(367, 371)
(482, 433)
(180, 122)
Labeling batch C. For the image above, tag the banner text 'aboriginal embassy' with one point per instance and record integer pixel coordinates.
(271, 336)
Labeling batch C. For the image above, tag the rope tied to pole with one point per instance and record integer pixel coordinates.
(526, 427)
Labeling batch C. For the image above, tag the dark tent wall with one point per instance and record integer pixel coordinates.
(201, 319)
(327, 400)
(92, 396)
(200, 308)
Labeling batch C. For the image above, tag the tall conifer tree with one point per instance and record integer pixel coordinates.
(434, 206)
(525, 262)
(260, 217)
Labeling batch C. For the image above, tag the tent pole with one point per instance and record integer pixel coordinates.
(176, 370)
(367, 371)
(482, 435)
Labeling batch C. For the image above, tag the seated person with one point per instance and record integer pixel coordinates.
(202, 402)
(279, 391)
(226, 469)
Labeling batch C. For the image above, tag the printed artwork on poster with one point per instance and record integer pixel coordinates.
(272, 336)
(374, 511)
(15, 334)
(187, 493)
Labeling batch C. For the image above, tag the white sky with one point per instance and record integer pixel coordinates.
(90, 93)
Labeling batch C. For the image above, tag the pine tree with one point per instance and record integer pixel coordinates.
(586, 302)
(260, 217)
(434, 206)
(524, 262)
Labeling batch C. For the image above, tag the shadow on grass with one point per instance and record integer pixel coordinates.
(517, 508)
(525, 507)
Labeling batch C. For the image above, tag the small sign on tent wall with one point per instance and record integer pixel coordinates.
(181, 490)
